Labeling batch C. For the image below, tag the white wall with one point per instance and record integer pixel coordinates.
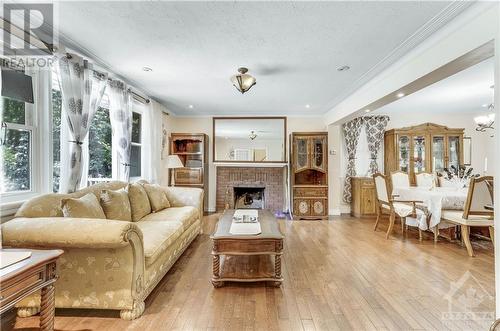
(204, 125)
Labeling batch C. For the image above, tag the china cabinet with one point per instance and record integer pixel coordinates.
(309, 175)
(192, 149)
(426, 147)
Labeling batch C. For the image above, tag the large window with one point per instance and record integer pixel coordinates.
(16, 150)
(56, 132)
(136, 152)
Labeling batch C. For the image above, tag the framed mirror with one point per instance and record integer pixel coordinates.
(249, 139)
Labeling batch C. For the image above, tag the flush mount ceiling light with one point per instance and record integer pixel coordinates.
(308, 106)
(147, 69)
(243, 81)
(343, 68)
(400, 95)
(190, 106)
(252, 135)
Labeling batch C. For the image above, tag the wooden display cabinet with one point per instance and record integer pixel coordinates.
(309, 175)
(192, 149)
(364, 197)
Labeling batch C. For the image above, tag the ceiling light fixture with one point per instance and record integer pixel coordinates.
(308, 106)
(147, 69)
(243, 81)
(485, 105)
(486, 121)
(190, 106)
(400, 95)
(367, 110)
(343, 68)
(252, 135)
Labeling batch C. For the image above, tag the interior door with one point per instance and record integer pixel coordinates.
(301, 146)
(319, 154)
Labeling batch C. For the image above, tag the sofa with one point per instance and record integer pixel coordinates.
(107, 264)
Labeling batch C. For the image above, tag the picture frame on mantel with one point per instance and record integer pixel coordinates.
(241, 147)
(467, 141)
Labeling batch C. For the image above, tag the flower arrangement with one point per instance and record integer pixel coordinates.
(458, 177)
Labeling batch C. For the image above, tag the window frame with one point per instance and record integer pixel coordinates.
(138, 110)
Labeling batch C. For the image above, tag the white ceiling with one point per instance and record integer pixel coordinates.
(465, 92)
(292, 48)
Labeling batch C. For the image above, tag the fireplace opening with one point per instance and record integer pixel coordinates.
(248, 197)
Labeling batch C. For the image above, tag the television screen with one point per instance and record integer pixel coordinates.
(16, 85)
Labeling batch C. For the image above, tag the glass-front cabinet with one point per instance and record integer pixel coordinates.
(427, 147)
(318, 153)
(301, 146)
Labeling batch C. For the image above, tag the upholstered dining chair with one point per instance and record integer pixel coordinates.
(399, 179)
(425, 180)
(479, 195)
(387, 203)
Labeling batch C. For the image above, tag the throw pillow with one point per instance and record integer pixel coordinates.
(86, 206)
(157, 197)
(116, 205)
(139, 201)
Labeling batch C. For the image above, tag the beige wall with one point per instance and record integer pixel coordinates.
(204, 125)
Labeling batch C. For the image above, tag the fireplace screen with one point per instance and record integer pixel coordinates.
(249, 197)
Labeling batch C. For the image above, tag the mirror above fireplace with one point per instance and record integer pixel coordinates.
(249, 139)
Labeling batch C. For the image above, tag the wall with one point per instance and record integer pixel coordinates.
(204, 125)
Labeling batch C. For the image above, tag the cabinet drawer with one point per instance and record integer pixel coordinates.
(188, 176)
(10, 290)
(368, 182)
(310, 192)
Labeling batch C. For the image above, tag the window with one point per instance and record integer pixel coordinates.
(56, 131)
(100, 146)
(135, 152)
(16, 152)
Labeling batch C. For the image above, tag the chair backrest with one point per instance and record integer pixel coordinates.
(424, 179)
(381, 188)
(400, 179)
(480, 194)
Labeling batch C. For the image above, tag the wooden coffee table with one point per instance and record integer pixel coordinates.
(248, 258)
(21, 279)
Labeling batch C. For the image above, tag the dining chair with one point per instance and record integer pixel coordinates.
(386, 202)
(399, 179)
(425, 180)
(479, 195)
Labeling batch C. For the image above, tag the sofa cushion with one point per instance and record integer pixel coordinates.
(157, 197)
(139, 201)
(116, 205)
(163, 228)
(84, 207)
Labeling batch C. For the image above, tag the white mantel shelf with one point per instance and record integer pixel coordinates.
(250, 164)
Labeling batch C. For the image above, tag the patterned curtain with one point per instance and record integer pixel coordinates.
(120, 114)
(375, 128)
(82, 89)
(351, 131)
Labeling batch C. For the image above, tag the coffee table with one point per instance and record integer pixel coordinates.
(247, 258)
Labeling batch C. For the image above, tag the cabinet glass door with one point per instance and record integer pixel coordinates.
(453, 151)
(404, 153)
(438, 153)
(302, 153)
(418, 154)
(318, 150)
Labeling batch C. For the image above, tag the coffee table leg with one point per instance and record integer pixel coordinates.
(216, 270)
(47, 308)
(277, 270)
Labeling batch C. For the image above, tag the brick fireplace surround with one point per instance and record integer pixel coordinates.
(271, 178)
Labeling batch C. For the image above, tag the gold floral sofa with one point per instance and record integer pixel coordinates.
(107, 264)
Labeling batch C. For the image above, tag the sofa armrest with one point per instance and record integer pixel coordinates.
(60, 232)
(185, 196)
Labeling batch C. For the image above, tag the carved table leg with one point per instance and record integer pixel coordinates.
(47, 308)
(277, 269)
(216, 270)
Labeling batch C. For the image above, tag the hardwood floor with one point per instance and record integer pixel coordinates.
(339, 275)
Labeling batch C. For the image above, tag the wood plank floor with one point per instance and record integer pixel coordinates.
(339, 275)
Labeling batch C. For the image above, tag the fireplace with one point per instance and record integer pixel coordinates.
(248, 197)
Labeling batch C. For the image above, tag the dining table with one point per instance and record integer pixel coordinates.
(434, 200)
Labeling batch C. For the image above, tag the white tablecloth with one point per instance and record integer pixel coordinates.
(435, 200)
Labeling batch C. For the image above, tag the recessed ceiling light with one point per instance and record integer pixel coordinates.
(147, 69)
(400, 95)
(343, 68)
(308, 106)
(484, 105)
(190, 106)
(367, 110)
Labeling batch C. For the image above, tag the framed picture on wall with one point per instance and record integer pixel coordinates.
(467, 150)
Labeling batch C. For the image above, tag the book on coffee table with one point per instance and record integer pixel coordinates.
(245, 222)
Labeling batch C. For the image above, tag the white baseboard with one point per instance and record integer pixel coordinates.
(334, 212)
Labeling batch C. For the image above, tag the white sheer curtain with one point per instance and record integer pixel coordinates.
(152, 138)
(120, 115)
(82, 89)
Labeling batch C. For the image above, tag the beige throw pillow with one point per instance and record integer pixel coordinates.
(84, 207)
(139, 201)
(116, 205)
(157, 197)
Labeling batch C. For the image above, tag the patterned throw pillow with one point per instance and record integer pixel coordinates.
(116, 205)
(84, 207)
(139, 201)
(157, 197)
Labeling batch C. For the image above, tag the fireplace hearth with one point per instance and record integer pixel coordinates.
(248, 197)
